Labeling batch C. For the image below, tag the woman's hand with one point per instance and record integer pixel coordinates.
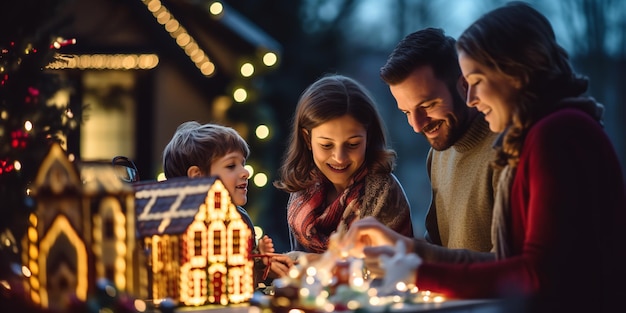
(369, 232)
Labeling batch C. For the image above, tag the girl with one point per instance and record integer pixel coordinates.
(338, 167)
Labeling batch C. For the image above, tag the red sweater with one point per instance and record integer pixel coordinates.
(568, 222)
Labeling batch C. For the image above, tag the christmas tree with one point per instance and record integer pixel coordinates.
(29, 118)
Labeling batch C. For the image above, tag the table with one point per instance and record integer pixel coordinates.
(449, 306)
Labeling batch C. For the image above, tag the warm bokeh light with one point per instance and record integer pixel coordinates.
(270, 58)
(216, 8)
(258, 232)
(106, 62)
(250, 169)
(181, 35)
(25, 271)
(240, 95)
(262, 131)
(28, 126)
(140, 305)
(247, 69)
(161, 177)
(260, 180)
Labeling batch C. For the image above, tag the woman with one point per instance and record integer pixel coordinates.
(560, 216)
(338, 167)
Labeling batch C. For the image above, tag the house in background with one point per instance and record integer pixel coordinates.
(199, 246)
(142, 67)
(82, 229)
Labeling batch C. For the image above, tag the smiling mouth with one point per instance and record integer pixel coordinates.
(433, 127)
(486, 112)
(337, 168)
(242, 186)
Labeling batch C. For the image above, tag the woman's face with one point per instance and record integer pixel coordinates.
(492, 93)
(338, 148)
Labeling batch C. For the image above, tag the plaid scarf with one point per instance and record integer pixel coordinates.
(313, 221)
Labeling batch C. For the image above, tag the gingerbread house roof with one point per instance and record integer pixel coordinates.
(170, 206)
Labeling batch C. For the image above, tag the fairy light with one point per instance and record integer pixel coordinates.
(262, 131)
(161, 177)
(216, 8)
(250, 169)
(106, 62)
(270, 59)
(182, 37)
(260, 179)
(247, 69)
(61, 42)
(240, 95)
(439, 299)
(140, 305)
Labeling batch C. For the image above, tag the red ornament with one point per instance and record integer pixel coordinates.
(18, 139)
(33, 91)
(6, 166)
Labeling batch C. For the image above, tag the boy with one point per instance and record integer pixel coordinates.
(199, 150)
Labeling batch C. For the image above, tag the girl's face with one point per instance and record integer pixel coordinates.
(230, 169)
(490, 92)
(338, 148)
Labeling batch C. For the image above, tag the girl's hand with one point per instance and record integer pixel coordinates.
(266, 245)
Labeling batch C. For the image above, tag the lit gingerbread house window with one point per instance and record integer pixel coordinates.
(82, 229)
(199, 244)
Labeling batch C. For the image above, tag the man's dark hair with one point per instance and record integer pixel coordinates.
(428, 46)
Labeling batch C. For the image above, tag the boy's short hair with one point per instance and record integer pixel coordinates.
(200, 144)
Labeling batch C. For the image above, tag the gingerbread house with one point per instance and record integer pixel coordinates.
(81, 230)
(198, 243)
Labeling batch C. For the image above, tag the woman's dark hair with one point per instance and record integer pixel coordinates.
(519, 42)
(328, 98)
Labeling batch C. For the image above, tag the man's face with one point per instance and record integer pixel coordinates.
(429, 107)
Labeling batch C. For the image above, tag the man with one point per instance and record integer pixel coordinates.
(424, 77)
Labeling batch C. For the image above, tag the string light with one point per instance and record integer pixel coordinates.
(247, 69)
(216, 8)
(262, 131)
(181, 36)
(106, 62)
(250, 169)
(60, 43)
(260, 180)
(270, 58)
(240, 95)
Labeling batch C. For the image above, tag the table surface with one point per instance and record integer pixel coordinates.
(449, 306)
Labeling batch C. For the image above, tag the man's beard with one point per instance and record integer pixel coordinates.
(448, 135)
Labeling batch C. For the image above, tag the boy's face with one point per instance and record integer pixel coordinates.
(230, 169)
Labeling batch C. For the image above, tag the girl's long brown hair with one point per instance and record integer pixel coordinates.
(331, 97)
